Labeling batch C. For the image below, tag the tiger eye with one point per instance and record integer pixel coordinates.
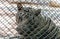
(20, 18)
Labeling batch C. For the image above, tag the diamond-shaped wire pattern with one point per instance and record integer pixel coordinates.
(8, 16)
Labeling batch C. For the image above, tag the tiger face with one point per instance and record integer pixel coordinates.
(26, 14)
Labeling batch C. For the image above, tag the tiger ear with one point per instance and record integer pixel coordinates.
(38, 12)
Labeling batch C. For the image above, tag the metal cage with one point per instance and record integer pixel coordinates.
(8, 12)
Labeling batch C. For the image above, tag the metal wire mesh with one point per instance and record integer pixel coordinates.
(7, 18)
(8, 12)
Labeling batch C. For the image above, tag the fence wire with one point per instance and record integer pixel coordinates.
(8, 20)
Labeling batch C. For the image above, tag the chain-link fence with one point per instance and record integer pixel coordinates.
(8, 12)
(7, 18)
